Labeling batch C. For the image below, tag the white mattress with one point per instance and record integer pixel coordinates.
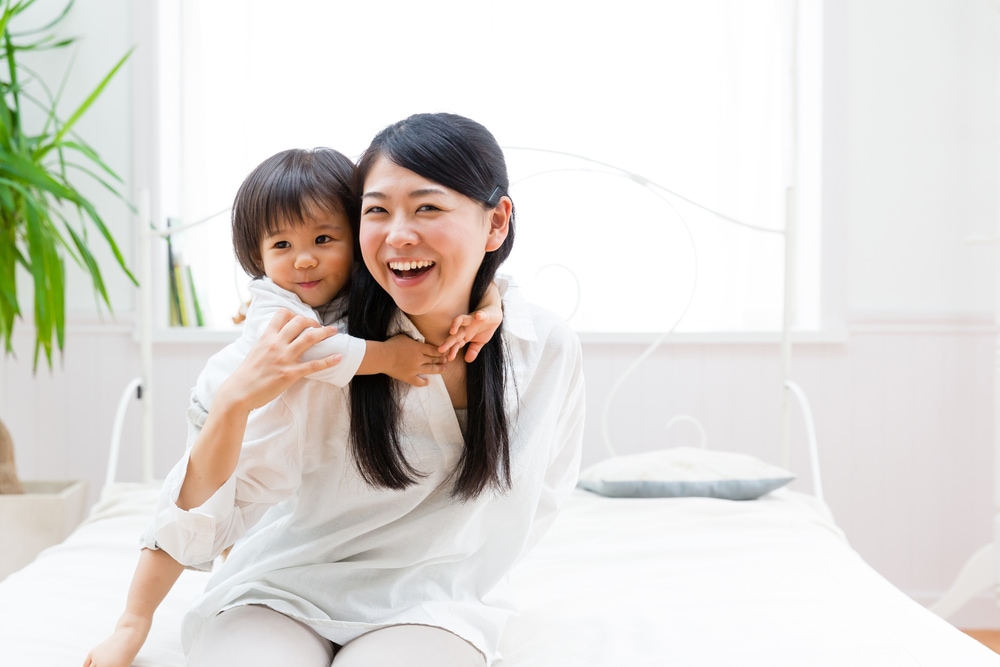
(676, 582)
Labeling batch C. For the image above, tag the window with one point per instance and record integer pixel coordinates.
(693, 96)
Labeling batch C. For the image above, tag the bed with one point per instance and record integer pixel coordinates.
(616, 581)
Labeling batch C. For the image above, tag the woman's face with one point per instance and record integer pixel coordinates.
(423, 242)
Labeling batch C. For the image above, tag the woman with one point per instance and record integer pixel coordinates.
(378, 524)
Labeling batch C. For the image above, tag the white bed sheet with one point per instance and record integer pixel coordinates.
(616, 582)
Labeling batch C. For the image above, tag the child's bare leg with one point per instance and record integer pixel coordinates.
(154, 576)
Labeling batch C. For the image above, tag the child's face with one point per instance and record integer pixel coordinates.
(311, 259)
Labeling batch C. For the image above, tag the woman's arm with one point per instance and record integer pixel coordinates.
(272, 366)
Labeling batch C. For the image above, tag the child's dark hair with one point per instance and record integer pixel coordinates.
(281, 190)
(463, 156)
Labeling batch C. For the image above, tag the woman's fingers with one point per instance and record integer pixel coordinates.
(275, 361)
(315, 365)
(289, 325)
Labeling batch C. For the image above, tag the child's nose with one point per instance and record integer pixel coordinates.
(305, 260)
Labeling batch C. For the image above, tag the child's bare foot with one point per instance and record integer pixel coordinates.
(120, 649)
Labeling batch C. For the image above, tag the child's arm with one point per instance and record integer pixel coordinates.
(154, 576)
(403, 358)
(477, 328)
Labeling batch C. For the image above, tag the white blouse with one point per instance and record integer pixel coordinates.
(319, 544)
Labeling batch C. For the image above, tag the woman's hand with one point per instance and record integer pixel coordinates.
(275, 362)
(273, 365)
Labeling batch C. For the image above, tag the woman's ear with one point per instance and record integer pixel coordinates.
(499, 223)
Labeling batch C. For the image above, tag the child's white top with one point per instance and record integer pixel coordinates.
(322, 546)
(265, 300)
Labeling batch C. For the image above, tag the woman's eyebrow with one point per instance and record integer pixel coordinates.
(427, 191)
(375, 194)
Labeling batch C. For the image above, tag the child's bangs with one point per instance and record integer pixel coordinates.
(295, 198)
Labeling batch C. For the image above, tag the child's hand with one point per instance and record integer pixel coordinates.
(121, 648)
(410, 360)
(475, 329)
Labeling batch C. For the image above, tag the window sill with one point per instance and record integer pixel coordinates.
(822, 337)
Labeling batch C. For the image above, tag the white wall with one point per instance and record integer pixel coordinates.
(903, 407)
(921, 141)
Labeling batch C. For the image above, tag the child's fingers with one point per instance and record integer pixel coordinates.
(433, 368)
(451, 353)
(458, 323)
(448, 352)
(452, 345)
(473, 352)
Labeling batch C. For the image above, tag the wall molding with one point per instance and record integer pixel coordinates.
(922, 322)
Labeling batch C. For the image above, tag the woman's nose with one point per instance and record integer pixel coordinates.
(401, 232)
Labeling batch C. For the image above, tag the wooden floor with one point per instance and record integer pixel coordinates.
(991, 638)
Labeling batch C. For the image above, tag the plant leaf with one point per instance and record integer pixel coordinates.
(90, 264)
(75, 116)
(92, 155)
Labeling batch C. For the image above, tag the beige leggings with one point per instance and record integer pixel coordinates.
(251, 636)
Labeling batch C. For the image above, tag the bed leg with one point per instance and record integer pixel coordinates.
(976, 576)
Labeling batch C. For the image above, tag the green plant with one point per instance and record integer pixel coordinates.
(36, 191)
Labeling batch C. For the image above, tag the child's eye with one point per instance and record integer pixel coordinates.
(323, 238)
(282, 244)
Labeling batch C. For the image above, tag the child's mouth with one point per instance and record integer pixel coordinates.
(410, 269)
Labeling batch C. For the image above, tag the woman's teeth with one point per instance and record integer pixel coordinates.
(410, 266)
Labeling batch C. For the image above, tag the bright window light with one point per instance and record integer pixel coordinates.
(587, 99)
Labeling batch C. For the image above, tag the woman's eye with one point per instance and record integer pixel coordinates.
(373, 210)
(428, 207)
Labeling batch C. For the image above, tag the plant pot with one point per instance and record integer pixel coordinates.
(44, 515)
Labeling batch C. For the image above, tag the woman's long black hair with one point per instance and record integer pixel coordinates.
(463, 156)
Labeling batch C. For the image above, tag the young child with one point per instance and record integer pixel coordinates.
(292, 232)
